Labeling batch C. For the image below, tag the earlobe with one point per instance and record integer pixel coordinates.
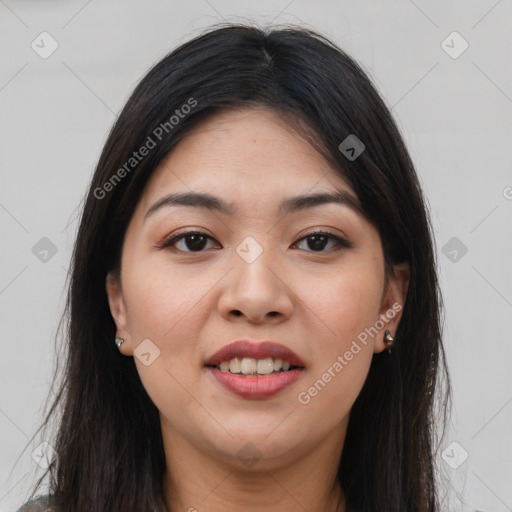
(118, 312)
(392, 306)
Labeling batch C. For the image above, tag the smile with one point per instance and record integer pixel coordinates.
(255, 370)
(251, 366)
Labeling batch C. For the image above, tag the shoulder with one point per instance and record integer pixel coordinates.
(39, 504)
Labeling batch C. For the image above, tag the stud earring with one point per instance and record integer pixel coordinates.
(119, 342)
(388, 340)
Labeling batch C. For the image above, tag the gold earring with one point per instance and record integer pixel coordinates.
(388, 340)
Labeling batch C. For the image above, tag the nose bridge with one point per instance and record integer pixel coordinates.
(253, 262)
(255, 288)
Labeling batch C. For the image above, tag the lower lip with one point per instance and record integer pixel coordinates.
(256, 387)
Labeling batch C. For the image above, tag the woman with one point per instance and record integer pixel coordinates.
(254, 315)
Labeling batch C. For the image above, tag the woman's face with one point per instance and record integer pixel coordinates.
(256, 272)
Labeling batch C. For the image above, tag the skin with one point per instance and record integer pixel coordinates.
(315, 301)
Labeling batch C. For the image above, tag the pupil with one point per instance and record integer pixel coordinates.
(317, 238)
(198, 241)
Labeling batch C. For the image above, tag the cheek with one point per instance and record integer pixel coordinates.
(162, 300)
(167, 306)
(348, 304)
(349, 301)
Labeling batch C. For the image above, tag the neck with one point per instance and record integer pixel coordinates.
(197, 482)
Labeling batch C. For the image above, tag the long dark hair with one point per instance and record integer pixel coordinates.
(109, 450)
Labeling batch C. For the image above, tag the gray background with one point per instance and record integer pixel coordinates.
(455, 117)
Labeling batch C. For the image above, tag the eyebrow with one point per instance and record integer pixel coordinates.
(291, 204)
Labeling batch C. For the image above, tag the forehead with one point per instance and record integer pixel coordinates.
(240, 154)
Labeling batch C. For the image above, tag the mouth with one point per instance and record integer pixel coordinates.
(248, 366)
(255, 370)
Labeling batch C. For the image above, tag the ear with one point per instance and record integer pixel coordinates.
(118, 312)
(393, 302)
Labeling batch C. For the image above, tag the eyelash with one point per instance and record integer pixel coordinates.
(340, 242)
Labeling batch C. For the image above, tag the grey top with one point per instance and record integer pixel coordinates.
(39, 504)
(45, 504)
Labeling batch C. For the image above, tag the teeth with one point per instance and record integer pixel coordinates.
(234, 365)
(265, 366)
(251, 366)
(248, 366)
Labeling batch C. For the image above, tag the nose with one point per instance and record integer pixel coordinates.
(256, 291)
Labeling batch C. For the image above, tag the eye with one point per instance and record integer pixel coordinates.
(318, 240)
(196, 241)
(191, 241)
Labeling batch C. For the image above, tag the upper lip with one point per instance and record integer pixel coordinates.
(256, 350)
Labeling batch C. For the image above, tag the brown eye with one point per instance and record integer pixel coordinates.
(191, 241)
(318, 240)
